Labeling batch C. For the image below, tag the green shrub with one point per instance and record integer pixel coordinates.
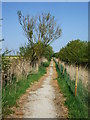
(75, 52)
(45, 64)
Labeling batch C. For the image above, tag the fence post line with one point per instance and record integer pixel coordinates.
(76, 80)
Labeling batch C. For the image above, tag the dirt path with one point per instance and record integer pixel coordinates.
(40, 102)
(43, 99)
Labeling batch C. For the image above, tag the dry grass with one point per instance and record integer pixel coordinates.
(19, 67)
(82, 73)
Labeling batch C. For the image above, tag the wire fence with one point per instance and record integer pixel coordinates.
(82, 92)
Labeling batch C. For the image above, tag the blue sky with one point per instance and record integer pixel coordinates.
(72, 18)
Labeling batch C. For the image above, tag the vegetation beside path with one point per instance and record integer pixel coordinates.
(11, 93)
(77, 106)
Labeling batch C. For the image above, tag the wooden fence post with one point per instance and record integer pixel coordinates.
(76, 80)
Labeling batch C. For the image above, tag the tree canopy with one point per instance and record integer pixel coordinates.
(39, 28)
(40, 31)
(37, 51)
(75, 52)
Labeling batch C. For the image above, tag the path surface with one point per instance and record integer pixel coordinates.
(40, 102)
(43, 99)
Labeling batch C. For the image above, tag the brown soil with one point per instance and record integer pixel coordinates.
(59, 100)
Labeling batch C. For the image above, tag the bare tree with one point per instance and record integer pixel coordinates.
(42, 28)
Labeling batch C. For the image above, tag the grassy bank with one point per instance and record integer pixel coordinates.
(78, 106)
(12, 92)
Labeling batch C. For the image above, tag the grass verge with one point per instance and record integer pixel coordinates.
(12, 92)
(78, 108)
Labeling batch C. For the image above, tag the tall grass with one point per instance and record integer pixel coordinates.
(46, 64)
(12, 92)
(82, 72)
(78, 106)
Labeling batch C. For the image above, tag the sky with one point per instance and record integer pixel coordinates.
(45, 0)
(88, 21)
(72, 18)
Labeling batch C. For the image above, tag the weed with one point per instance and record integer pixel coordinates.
(46, 64)
(78, 107)
(12, 92)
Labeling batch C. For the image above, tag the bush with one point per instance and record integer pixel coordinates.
(12, 92)
(45, 64)
(75, 52)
